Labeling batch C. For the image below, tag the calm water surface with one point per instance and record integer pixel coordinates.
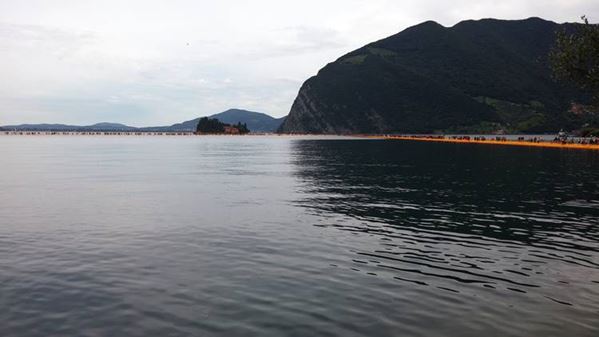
(259, 236)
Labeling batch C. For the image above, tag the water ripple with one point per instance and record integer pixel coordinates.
(285, 236)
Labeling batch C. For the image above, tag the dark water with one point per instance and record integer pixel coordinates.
(256, 236)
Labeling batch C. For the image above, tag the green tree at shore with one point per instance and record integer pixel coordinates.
(243, 128)
(575, 58)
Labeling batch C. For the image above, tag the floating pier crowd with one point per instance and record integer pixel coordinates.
(591, 143)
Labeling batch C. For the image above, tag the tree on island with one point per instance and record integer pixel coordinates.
(209, 125)
(214, 126)
(243, 128)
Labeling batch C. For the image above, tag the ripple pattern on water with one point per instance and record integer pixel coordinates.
(284, 236)
(525, 226)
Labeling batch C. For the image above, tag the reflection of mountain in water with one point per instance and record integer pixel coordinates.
(454, 215)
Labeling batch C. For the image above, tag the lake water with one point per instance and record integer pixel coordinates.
(282, 236)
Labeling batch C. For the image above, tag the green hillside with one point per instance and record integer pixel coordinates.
(477, 76)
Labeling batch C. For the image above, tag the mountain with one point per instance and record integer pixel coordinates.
(255, 121)
(111, 126)
(35, 127)
(477, 76)
(64, 127)
(186, 126)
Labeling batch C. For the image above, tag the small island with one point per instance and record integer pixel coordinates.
(212, 126)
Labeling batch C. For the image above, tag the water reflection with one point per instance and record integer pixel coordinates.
(459, 217)
(279, 236)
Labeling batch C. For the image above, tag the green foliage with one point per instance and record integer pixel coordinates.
(381, 52)
(518, 117)
(575, 57)
(243, 128)
(589, 132)
(532, 123)
(481, 128)
(210, 125)
(358, 59)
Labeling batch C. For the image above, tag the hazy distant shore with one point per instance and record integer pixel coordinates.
(190, 133)
(512, 140)
(148, 134)
(94, 133)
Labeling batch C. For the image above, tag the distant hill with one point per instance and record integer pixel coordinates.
(64, 127)
(255, 121)
(179, 127)
(111, 126)
(477, 76)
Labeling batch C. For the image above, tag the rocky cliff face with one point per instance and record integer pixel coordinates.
(309, 115)
(476, 76)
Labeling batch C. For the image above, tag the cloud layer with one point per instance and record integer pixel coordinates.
(160, 62)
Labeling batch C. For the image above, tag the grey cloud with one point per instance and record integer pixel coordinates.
(164, 64)
(56, 41)
(297, 40)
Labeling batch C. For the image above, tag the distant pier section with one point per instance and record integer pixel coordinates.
(95, 133)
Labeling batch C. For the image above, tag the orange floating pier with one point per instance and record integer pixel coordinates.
(505, 142)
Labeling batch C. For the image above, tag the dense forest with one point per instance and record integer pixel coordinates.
(208, 125)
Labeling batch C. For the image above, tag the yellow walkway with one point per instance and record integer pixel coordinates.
(497, 142)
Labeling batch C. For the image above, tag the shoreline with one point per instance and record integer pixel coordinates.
(496, 141)
(94, 133)
(163, 134)
(535, 141)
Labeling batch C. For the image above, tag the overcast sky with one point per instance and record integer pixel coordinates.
(144, 62)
